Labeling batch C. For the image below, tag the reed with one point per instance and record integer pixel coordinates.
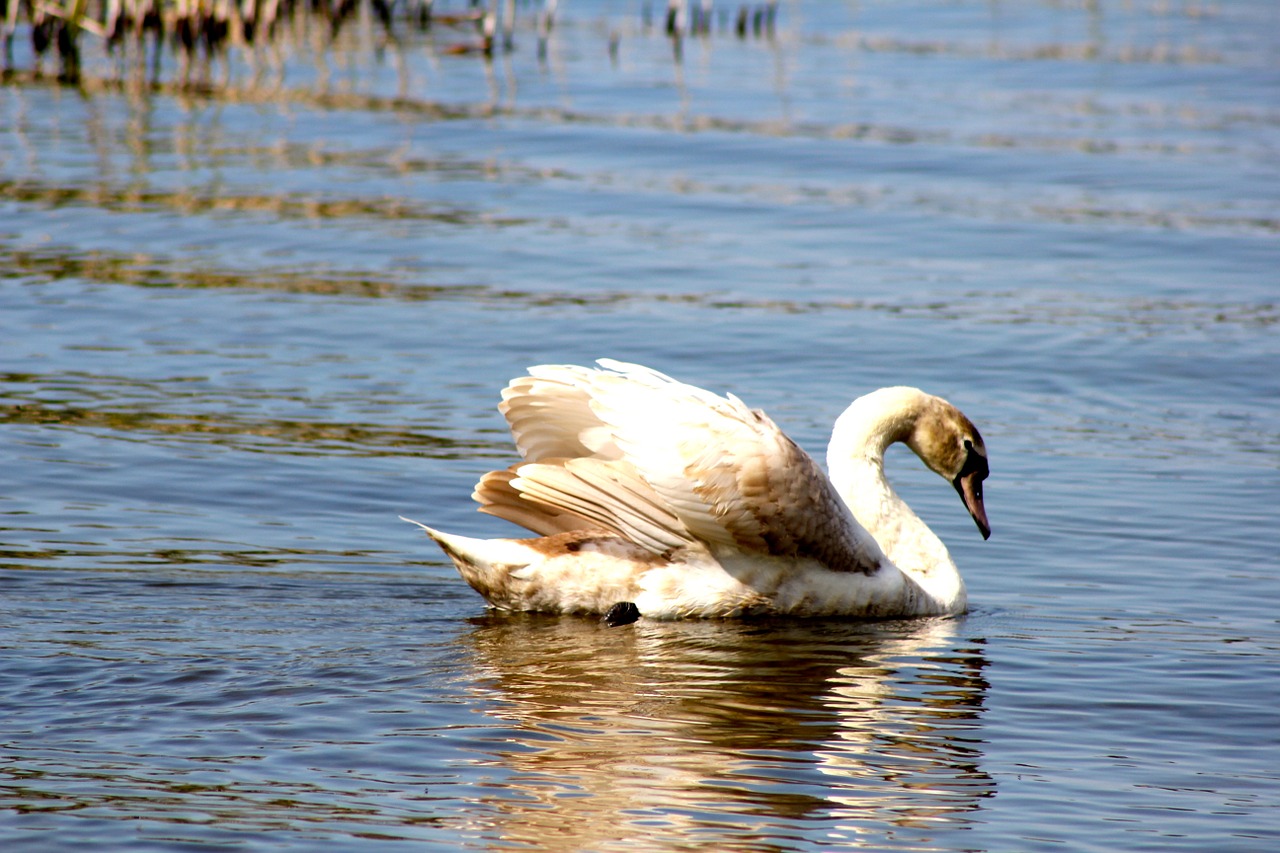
(138, 33)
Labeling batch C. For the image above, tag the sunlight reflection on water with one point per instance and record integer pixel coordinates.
(672, 727)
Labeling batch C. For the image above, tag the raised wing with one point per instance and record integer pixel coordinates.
(666, 465)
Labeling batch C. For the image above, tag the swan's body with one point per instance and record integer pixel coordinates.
(647, 490)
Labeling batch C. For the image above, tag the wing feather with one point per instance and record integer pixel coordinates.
(499, 498)
(607, 493)
(666, 465)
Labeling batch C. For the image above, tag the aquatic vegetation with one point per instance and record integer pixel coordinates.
(138, 32)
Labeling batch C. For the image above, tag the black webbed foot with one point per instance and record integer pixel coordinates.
(622, 613)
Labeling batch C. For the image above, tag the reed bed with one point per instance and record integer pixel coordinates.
(138, 33)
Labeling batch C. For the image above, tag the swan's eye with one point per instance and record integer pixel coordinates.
(974, 462)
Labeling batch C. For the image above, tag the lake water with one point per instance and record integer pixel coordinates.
(244, 327)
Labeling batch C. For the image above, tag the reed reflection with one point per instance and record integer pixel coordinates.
(738, 728)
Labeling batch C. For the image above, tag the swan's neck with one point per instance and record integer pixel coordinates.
(855, 462)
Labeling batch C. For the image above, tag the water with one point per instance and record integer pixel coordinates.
(241, 332)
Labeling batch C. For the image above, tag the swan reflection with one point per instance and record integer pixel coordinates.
(749, 732)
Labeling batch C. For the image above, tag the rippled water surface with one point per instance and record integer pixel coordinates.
(245, 325)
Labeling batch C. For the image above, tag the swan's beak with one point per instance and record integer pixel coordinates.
(969, 486)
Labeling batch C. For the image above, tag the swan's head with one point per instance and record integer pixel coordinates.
(951, 446)
(937, 431)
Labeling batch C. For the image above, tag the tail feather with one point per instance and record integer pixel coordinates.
(488, 565)
(578, 571)
(506, 554)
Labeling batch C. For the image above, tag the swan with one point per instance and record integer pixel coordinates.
(659, 499)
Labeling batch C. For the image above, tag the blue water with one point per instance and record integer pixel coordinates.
(243, 329)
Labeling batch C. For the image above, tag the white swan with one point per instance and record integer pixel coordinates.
(657, 494)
